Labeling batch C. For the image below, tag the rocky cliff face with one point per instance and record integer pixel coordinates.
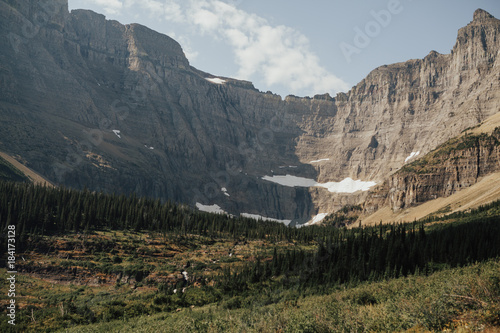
(457, 164)
(407, 108)
(118, 108)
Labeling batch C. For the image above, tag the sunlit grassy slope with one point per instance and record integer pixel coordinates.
(463, 300)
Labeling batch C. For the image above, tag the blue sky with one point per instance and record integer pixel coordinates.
(298, 47)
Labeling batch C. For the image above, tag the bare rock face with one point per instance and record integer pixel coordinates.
(91, 102)
(408, 107)
(458, 164)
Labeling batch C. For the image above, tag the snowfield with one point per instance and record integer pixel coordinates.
(412, 155)
(210, 209)
(317, 219)
(216, 80)
(321, 160)
(291, 181)
(347, 185)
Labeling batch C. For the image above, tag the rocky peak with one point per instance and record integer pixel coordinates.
(477, 43)
(480, 16)
(157, 48)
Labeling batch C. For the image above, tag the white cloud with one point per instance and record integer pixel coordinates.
(206, 20)
(278, 55)
(109, 6)
(190, 53)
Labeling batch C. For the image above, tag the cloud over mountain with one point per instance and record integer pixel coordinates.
(277, 55)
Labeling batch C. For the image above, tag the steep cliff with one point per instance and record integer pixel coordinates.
(460, 174)
(118, 108)
(91, 102)
(407, 108)
(457, 164)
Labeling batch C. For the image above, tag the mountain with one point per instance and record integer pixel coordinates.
(89, 102)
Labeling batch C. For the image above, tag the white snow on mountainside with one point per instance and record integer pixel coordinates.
(412, 155)
(320, 160)
(210, 209)
(347, 185)
(216, 80)
(318, 218)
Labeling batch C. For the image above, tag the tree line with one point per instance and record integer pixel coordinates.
(383, 252)
(37, 210)
(342, 255)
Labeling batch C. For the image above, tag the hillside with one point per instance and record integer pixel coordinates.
(118, 108)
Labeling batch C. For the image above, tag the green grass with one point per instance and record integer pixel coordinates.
(119, 274)
(466, 299)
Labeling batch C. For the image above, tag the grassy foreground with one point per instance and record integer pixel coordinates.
(459, 300)
(91, 262)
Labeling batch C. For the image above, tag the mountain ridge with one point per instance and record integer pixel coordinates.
(118, 108)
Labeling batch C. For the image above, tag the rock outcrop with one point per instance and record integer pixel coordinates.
(457, 164)
(118, 108)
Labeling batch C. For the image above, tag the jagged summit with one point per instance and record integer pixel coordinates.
(482, 15)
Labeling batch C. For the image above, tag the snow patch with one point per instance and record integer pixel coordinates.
(321, 160)
(224, 190)
(210, 209)
(347, 185)
(412, 155)
(318, 218)
(216, 80)
(258, 217)
(185, 274)
(117, 132)
(291, 181)
(151, 148)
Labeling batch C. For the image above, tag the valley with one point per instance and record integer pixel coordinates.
(97, 258)
(141, 194)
